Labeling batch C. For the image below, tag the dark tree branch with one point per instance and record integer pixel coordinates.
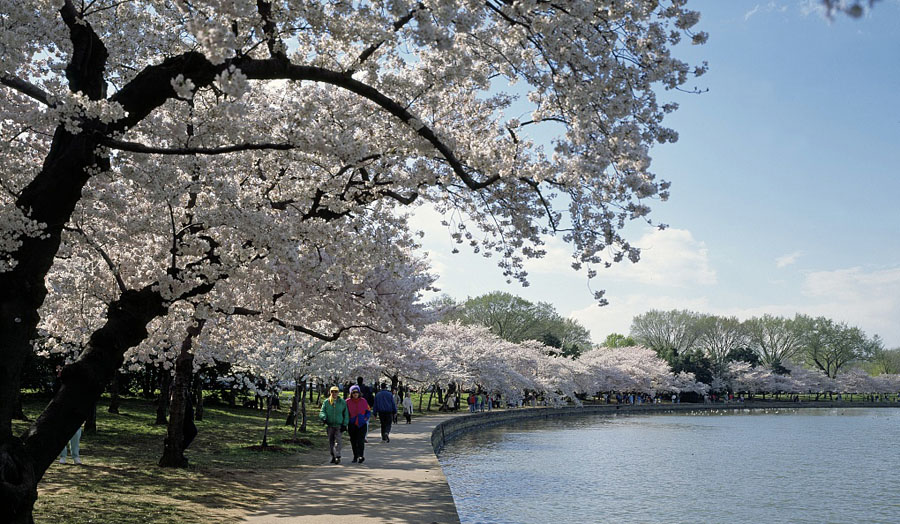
(369, 51)
(135, 147)
(85, 69)
(301, 329)
(26, 88)
(276, 46)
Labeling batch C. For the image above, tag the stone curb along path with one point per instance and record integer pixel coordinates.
(400, 482)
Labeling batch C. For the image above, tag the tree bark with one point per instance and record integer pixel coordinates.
(162, 402)
(24, 460)
(90, 423)
(295, 407)
(303, 408)
(114, 400)
(265, 441)
(180, 430)
(148, 381)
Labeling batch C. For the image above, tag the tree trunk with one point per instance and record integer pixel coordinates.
(295, 408)
(23, 461)
(114, 400)
(395, 381)
(149, 380)
(303, 408)
(162, 403)
(181, 429)
(431, 396)
(265, 442)
(19, 413)
(421, 397)
(90, 423)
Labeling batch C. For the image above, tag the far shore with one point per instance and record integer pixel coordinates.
(457, 426)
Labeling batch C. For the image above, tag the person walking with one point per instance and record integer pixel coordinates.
(335, 416)
(74, 444)
(359, 412)
(408, 407)
(385, 408)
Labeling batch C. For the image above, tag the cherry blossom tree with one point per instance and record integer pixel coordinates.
(317, 110)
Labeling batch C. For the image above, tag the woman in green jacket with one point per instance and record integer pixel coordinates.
(335, 416)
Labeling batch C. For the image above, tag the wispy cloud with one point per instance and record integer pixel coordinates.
(671, 258)
(771, 7)
(617, 316)
(787, 260)
(813, 7)
(751, 12)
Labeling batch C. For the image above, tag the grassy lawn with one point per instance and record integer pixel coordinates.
(120, 482)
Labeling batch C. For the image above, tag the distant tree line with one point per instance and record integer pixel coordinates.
(516, 320)
(706, 344)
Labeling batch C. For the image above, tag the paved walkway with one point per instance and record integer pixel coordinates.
(400, 482)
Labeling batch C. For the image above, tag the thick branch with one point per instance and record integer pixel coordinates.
(26, 88)
(135, 147)
(276, 46)
(271, 70)
(296, 327)
(85, 70)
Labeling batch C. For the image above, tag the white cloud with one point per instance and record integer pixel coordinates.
(751, 12)
(771, 7)
(810, 7)
(786, 260)
(617, 316)
(671, 258)
(868, 299)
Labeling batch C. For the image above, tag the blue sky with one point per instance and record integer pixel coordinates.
(784, 182)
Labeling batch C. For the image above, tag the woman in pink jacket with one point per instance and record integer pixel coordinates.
(359, 421)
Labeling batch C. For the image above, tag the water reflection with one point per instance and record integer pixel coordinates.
(785, 465)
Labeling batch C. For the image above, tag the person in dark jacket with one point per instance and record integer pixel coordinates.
(385, 408)
(335, 416)
(359, 421)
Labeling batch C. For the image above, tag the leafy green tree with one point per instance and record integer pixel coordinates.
(515, 319)
(618, 340)
(775, 339)
(830, 345)
(886, 361)
(669, 333)
(743, 354)
(720, 336)
(694, 361)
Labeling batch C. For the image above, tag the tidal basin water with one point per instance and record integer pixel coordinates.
(786, 465)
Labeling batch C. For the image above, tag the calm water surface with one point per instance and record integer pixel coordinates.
(801, 466)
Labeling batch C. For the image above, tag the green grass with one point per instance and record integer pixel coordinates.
(121, 483)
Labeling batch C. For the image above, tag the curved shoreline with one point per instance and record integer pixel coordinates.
(454, 427)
